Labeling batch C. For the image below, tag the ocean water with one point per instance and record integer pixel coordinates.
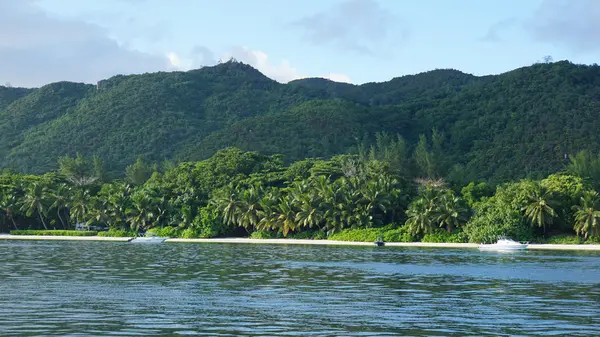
(50, 288)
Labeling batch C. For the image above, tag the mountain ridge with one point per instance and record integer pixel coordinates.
(533, 114)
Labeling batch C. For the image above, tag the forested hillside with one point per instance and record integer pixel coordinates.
(517, 124)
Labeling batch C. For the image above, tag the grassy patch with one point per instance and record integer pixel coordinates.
(565, 240)
(169, 231)
(442, 236)
(358, 235)
(593, 240)
(398, 235)
(118, 233)
(53, 232)
(261, 235)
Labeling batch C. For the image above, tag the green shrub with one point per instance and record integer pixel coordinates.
(261, 235)
(442, 236)
(565, 240)
(401, 234)
(169, 231)
(358, 235)
(496, 217)
(189, 233)
(208, 223)
(54, 232)
(118, 233)
(594, 240)
(320, 235)
(304, 235)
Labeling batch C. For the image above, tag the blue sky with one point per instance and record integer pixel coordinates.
(357, 41)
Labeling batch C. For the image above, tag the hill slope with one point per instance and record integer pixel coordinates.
(511, 125)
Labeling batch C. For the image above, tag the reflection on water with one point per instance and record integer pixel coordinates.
(120, 289)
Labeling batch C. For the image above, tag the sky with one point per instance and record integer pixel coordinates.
(355, 41)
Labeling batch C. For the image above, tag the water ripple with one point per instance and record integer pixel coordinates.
(121, 289)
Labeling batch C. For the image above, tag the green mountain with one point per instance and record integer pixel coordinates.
(520, 123)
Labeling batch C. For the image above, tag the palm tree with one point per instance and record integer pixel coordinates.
(79, 205)
(286, 215)
(334, 205)
(98, 213)
(249, 207)
(163, 211)
(587, 166)
(34, 201)
(141, 212)
(420, 216)
(587, 215)
(376, 198)
(268, 210)
(118, 201)
(227, 202)
(309, 214)
(8, 203)
(424, 213)
(60, 198)
(452, 213)
(539, 210)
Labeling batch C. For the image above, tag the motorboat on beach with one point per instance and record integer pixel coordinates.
(149, 238)
(504, 244)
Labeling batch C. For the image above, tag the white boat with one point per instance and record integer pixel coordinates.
(504, 245)
(148, 239)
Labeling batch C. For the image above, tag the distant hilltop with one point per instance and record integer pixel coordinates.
(520, 123)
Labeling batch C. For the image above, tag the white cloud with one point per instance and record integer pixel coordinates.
(176, 63)
(571, 23)
(282, 72)
(360, 26)
(36, 49)
(338, 78)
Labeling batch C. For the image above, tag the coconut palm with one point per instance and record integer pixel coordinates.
(377, 198)
(268, 210)
(309, 214)
(59, 198)
(587, 215)
(228, 204)
(539, 209)
(249, 207)
(99, 212)
(142, 211)
(286, 216)
(8, 204)
(335, 206)
(451, 212)
(420, 216)
(423, 213)
(34, 201)
(79, 205)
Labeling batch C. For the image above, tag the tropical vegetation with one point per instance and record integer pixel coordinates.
(380, 191)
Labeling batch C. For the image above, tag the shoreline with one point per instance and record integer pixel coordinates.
(533, 246)
(64, 238)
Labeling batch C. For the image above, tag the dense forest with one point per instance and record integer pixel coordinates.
(520, 124)
(376, 194)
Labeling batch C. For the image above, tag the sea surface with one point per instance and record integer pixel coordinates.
(50, 288)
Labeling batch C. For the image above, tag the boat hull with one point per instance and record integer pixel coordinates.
(148, 240)
(503, 248)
